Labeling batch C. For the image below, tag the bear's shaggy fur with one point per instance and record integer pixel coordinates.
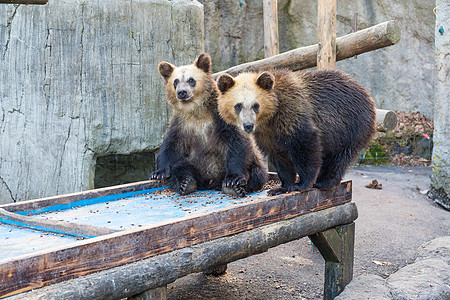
(200, 150)
(313, 123)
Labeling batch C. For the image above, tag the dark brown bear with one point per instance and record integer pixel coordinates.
(314, 123)
(200, 150)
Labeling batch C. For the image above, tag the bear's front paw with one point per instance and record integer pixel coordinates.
(234, 180)
(234, 185)
(187, 186)
(277, 191)
(160, 174)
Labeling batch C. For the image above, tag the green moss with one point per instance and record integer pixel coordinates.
(375, 155)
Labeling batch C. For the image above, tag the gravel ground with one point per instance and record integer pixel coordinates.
(393, 222)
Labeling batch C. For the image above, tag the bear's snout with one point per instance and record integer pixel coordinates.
(182, 94)
(248, 127)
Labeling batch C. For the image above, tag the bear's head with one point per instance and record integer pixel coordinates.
(248, 100)
(187, 87)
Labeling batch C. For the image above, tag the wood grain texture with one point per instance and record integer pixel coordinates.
(134, 278)
(386, 120)
(326, 33)
(379, 36)
(271, 43)
(96, 254)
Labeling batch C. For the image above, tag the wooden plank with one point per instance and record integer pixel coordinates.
(271, 45)
(40, 2)
(326, 33)
(134, 278)
(37, 204)
(88, 256)
(372, 38)
(53, 226)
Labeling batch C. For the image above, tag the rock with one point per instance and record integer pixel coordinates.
(425, 279)
(79, 81)
(366, 287)
(438, 248)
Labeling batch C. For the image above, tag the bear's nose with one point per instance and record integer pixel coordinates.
(248, 127)
(182, 94)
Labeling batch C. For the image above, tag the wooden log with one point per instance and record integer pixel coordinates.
(386, 120)
(326, 33)
(372, 38)
(40, 2)
(134, 278)
(53, 226)
(271, 45)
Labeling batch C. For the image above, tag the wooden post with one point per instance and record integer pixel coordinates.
(326, 31)
(337, 248)
(271, 45)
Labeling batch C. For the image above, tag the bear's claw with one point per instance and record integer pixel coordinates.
(187, 186)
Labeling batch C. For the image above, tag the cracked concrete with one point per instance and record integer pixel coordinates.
(83, 86)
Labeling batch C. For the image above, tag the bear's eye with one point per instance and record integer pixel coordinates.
(175, 83)
(255, 107)
(238, 108)
(191, 81)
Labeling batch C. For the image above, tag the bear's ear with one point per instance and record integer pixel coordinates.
(165, 69)
(225, 82)
(203, 62)
(265, 81)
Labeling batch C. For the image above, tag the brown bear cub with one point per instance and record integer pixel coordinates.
(313, 123)
(200, 150)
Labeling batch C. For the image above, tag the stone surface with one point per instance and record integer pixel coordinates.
(438, 248)
(400, 77)
(427, 278)
(366, 287)
(79, 81)
(440, 180)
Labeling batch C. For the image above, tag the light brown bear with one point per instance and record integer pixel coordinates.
(310, 123)
(200, 150)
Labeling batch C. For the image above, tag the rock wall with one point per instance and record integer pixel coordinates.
(400, 77)
(440, 179)
(79, 81)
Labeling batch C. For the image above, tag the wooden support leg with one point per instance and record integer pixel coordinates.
(159, 293)
(337, 248)
(217, 270)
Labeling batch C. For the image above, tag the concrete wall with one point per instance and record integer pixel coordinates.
(79, 80)
(440, 179)
(400, 77)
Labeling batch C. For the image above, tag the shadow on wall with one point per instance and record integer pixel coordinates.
(115, 169)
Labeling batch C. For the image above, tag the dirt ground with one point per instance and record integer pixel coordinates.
(393, 222)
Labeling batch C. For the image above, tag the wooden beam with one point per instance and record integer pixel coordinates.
(271, 45)
(108, 251)
(53, 226)
(326, 33)
(134, 278)
(40, 2)
(369, 39)
(42, 203)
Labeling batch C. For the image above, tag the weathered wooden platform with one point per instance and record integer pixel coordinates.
(145, 236)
